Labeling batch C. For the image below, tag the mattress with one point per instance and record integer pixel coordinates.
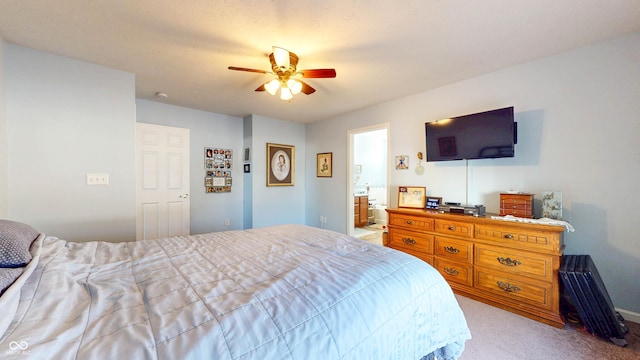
(281, 292)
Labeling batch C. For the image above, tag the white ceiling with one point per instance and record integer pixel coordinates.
(381, 49)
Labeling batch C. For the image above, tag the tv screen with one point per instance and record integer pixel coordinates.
(485, 135)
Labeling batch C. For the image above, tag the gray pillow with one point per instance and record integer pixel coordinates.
(8, 276)
(15, 241)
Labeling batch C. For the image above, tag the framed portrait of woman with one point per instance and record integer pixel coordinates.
(280, 165)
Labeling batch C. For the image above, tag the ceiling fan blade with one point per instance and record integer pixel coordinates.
(306, 88)
(261, 88)
(247, 69)
(318, 73)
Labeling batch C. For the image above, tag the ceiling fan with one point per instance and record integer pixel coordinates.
(283, 66)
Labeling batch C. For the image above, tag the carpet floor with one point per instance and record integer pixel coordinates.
(498, 334)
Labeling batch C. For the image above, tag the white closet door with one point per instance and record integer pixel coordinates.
(162, 181)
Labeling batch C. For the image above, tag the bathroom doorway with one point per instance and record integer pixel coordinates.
(368, 178)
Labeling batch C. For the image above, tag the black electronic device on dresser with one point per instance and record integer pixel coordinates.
(473, 210)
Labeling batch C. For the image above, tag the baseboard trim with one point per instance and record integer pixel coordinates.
(629, 315)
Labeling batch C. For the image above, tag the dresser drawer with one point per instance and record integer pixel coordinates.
(516, 198)
(516, 206)
(419, 254)
(508, 202)
(461, 273)
(401, 239)
(454, 228)
(535, 266)
(520, 238)
(452, 249)
(411, 222)
(515, 289)
(526, 213)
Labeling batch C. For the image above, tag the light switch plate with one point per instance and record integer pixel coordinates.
(97, 179)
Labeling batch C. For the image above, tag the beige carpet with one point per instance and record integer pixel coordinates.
(498, 334)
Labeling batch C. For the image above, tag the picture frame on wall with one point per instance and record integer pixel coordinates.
(324, 165)
(280, 165)
(411, 197)
(402, 162)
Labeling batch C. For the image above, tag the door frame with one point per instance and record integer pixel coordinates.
(350, 167)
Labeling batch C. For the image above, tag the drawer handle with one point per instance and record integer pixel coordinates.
(451, 271)
(409, 241)
(452, 228)
(451, 250)
(509, 236)
(409, 222)
(509, 262)
(508, 287)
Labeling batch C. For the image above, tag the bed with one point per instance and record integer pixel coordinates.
(281, 292)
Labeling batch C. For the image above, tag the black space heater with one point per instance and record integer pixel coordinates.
(587, 293)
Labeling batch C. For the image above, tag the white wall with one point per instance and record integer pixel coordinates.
(66, 118)
(208, 211)
(578, 133)
(277, 204)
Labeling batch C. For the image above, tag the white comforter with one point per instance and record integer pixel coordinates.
(283, 292)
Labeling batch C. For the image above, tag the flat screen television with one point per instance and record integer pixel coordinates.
(485, 135)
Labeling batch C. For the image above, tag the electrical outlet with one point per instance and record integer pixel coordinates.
(227, 222)
(97, 179)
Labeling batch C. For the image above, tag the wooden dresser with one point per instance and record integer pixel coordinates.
(360, 210)
(506, 264)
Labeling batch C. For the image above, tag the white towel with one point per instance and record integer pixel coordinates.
(546, 221)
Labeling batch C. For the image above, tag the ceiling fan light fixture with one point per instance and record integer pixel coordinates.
(294, 85)
(285, 94)
(272, 86)
(284, 65)
(281, 57)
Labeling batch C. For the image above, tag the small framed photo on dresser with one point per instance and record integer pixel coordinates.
(411, 197)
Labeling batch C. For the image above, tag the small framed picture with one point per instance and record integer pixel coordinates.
(411, 196)
(402, 162)
(324, 165)
(247, 168)
(433, 202)
(552, 205)
(247, 155)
